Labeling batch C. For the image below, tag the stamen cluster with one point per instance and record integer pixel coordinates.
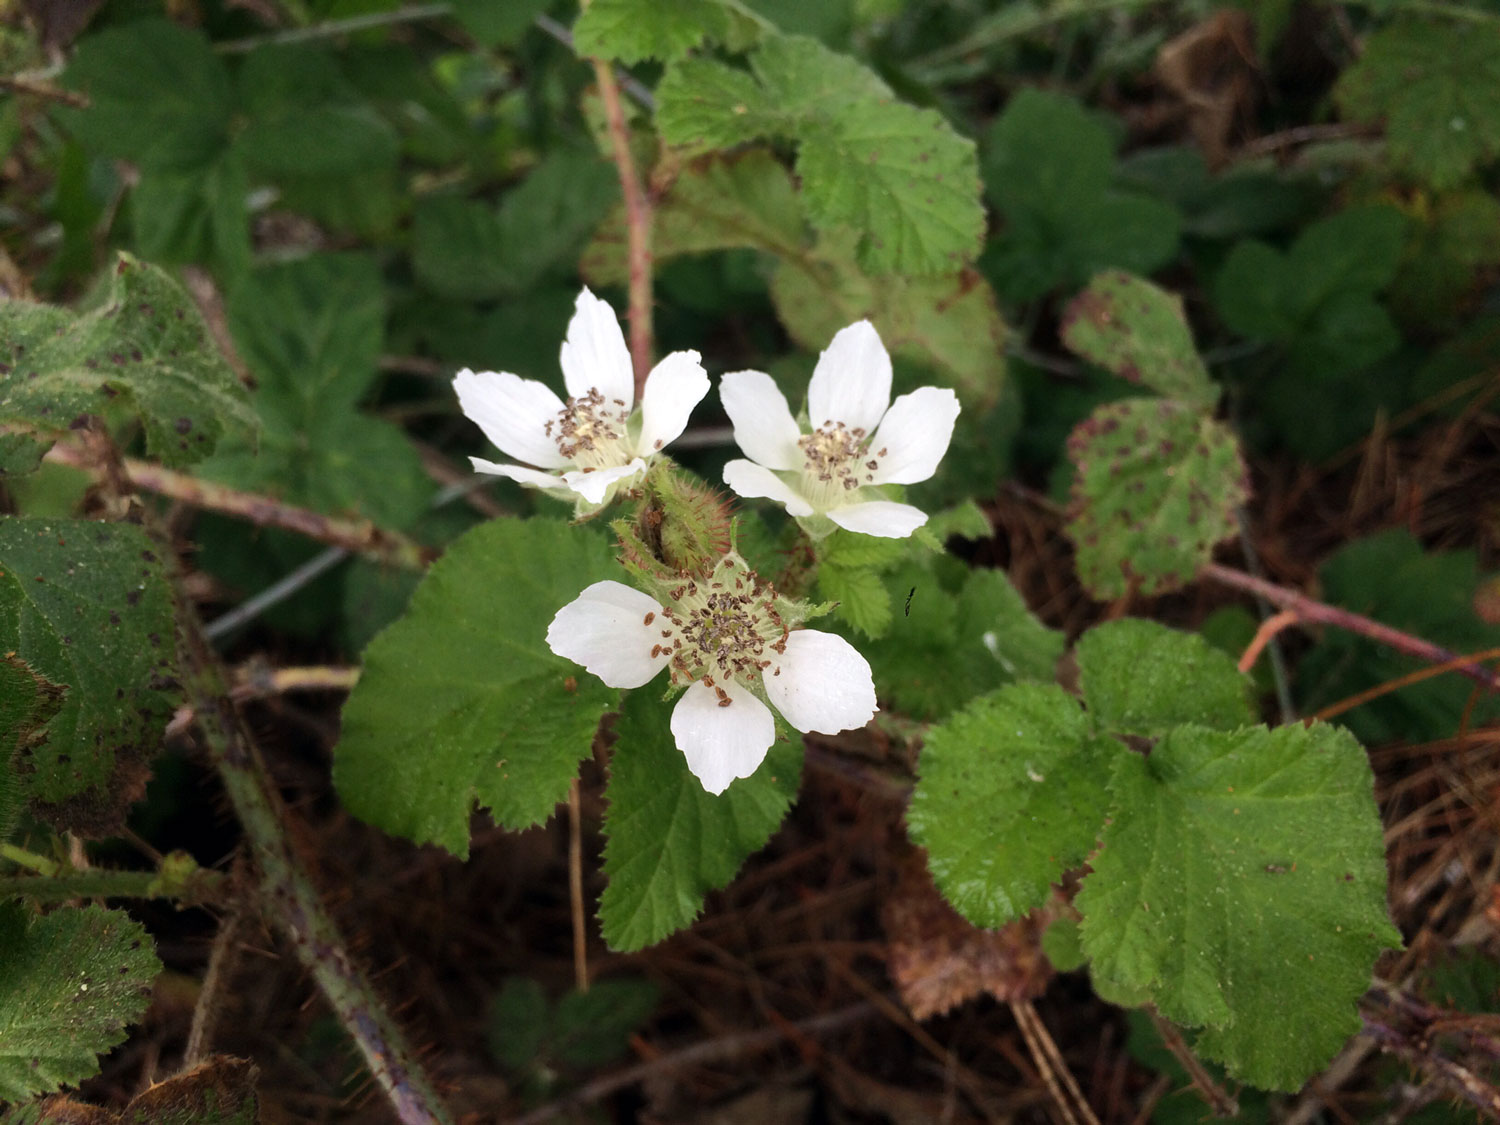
(588, 429)
(837, 459)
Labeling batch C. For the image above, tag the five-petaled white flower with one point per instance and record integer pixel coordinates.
(856, 443)
(593, 442)
(725, 637)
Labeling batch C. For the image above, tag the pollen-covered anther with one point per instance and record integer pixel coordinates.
(588, 429)
(832, 453)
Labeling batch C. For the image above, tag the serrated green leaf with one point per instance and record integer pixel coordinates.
(1063, 945)
(1048, 164)
(1129, 326)
(896, 174)
(720, 202)
(20, 455)
(144, 340)
(28, 702)
(593, 1028)
(87, 606)
(862, 598)
(461, 701)
(949, 644)
(1437, 87)
(69, 984)
(1241, 883)
(636, 30)
(1139, 677)
(194, 216)
(1010, 794)
(158, 95)
(668, 842)
(1391, 578)
(1156, 488)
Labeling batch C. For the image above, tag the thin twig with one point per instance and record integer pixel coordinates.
(1271, 626)
(1410, 678)
(637, 223)
(1221, 1103)
(358, 536)
(332, 29)
(206, 1010)
(710, 1051)
(54, 881)
(1311, 610)
(1050, 1064)
(575, 888)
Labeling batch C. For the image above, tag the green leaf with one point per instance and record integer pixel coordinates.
(69, 984)
(1139, 677)
(955, 638)
(1048, 164)
(593, 1028)
(1431, 594)
(520, 1021)
(158, 95)
(1139, 332)
(720, 202)
(87, 606)
(461, 700)
(1063, 945)
(1443, 264)
(1241, 884)
(897, 175)
(862, 598)
(194, 216)
(28, 702)
(144, 341)
(20, 455)
(1010, 794)
(1437, 87)
(1156, 488)
(668, 842)
(636, 30)
(497, 25)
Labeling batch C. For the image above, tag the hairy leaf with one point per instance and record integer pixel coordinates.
(1139, 677)
(1139, 332)
(87, 606)
(69, 984)
(668, 842)
(1156, 488)
(1011, 792)
(28, 702)
(898, 175)
(144, 341)
(1241, 886)
(635, 30)
(1437, 88)
(461, 701)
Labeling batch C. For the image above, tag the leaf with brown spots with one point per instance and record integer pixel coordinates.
(939, 960)
(87, 606)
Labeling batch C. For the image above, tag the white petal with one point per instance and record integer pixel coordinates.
(533, 477)
(605, 629)
(825, 684)
(675, 385)
(750, 480)
(852, 382)
(594, 356)
(722, 743)
(763, 424)
(593, 484)
(915, 434)
(513, 413)
(884, 518)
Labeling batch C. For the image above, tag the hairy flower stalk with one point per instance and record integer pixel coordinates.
(587, 448)
(858, 441)
(736, 645)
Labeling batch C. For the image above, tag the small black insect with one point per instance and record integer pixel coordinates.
(908, 600)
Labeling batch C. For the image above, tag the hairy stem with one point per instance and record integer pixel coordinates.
(637, 223)
(1309, 610)
(57, 882)
(287, 890)
(359, 536)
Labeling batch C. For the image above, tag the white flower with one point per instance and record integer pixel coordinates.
(724, 636)
(589, 445)
(856, 443)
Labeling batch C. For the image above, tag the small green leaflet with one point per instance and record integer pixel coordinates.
(867, 162)
(1241, 887)
(143, 342)
(668, 843)
(461, 701)
(526, 1030)
(1156, 488)
(70, 982)
(1139, 332)
(1133, 674)
(87, 606)
(1010, 795)
(1048, 167)
(1437, 87)
(636, 30)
